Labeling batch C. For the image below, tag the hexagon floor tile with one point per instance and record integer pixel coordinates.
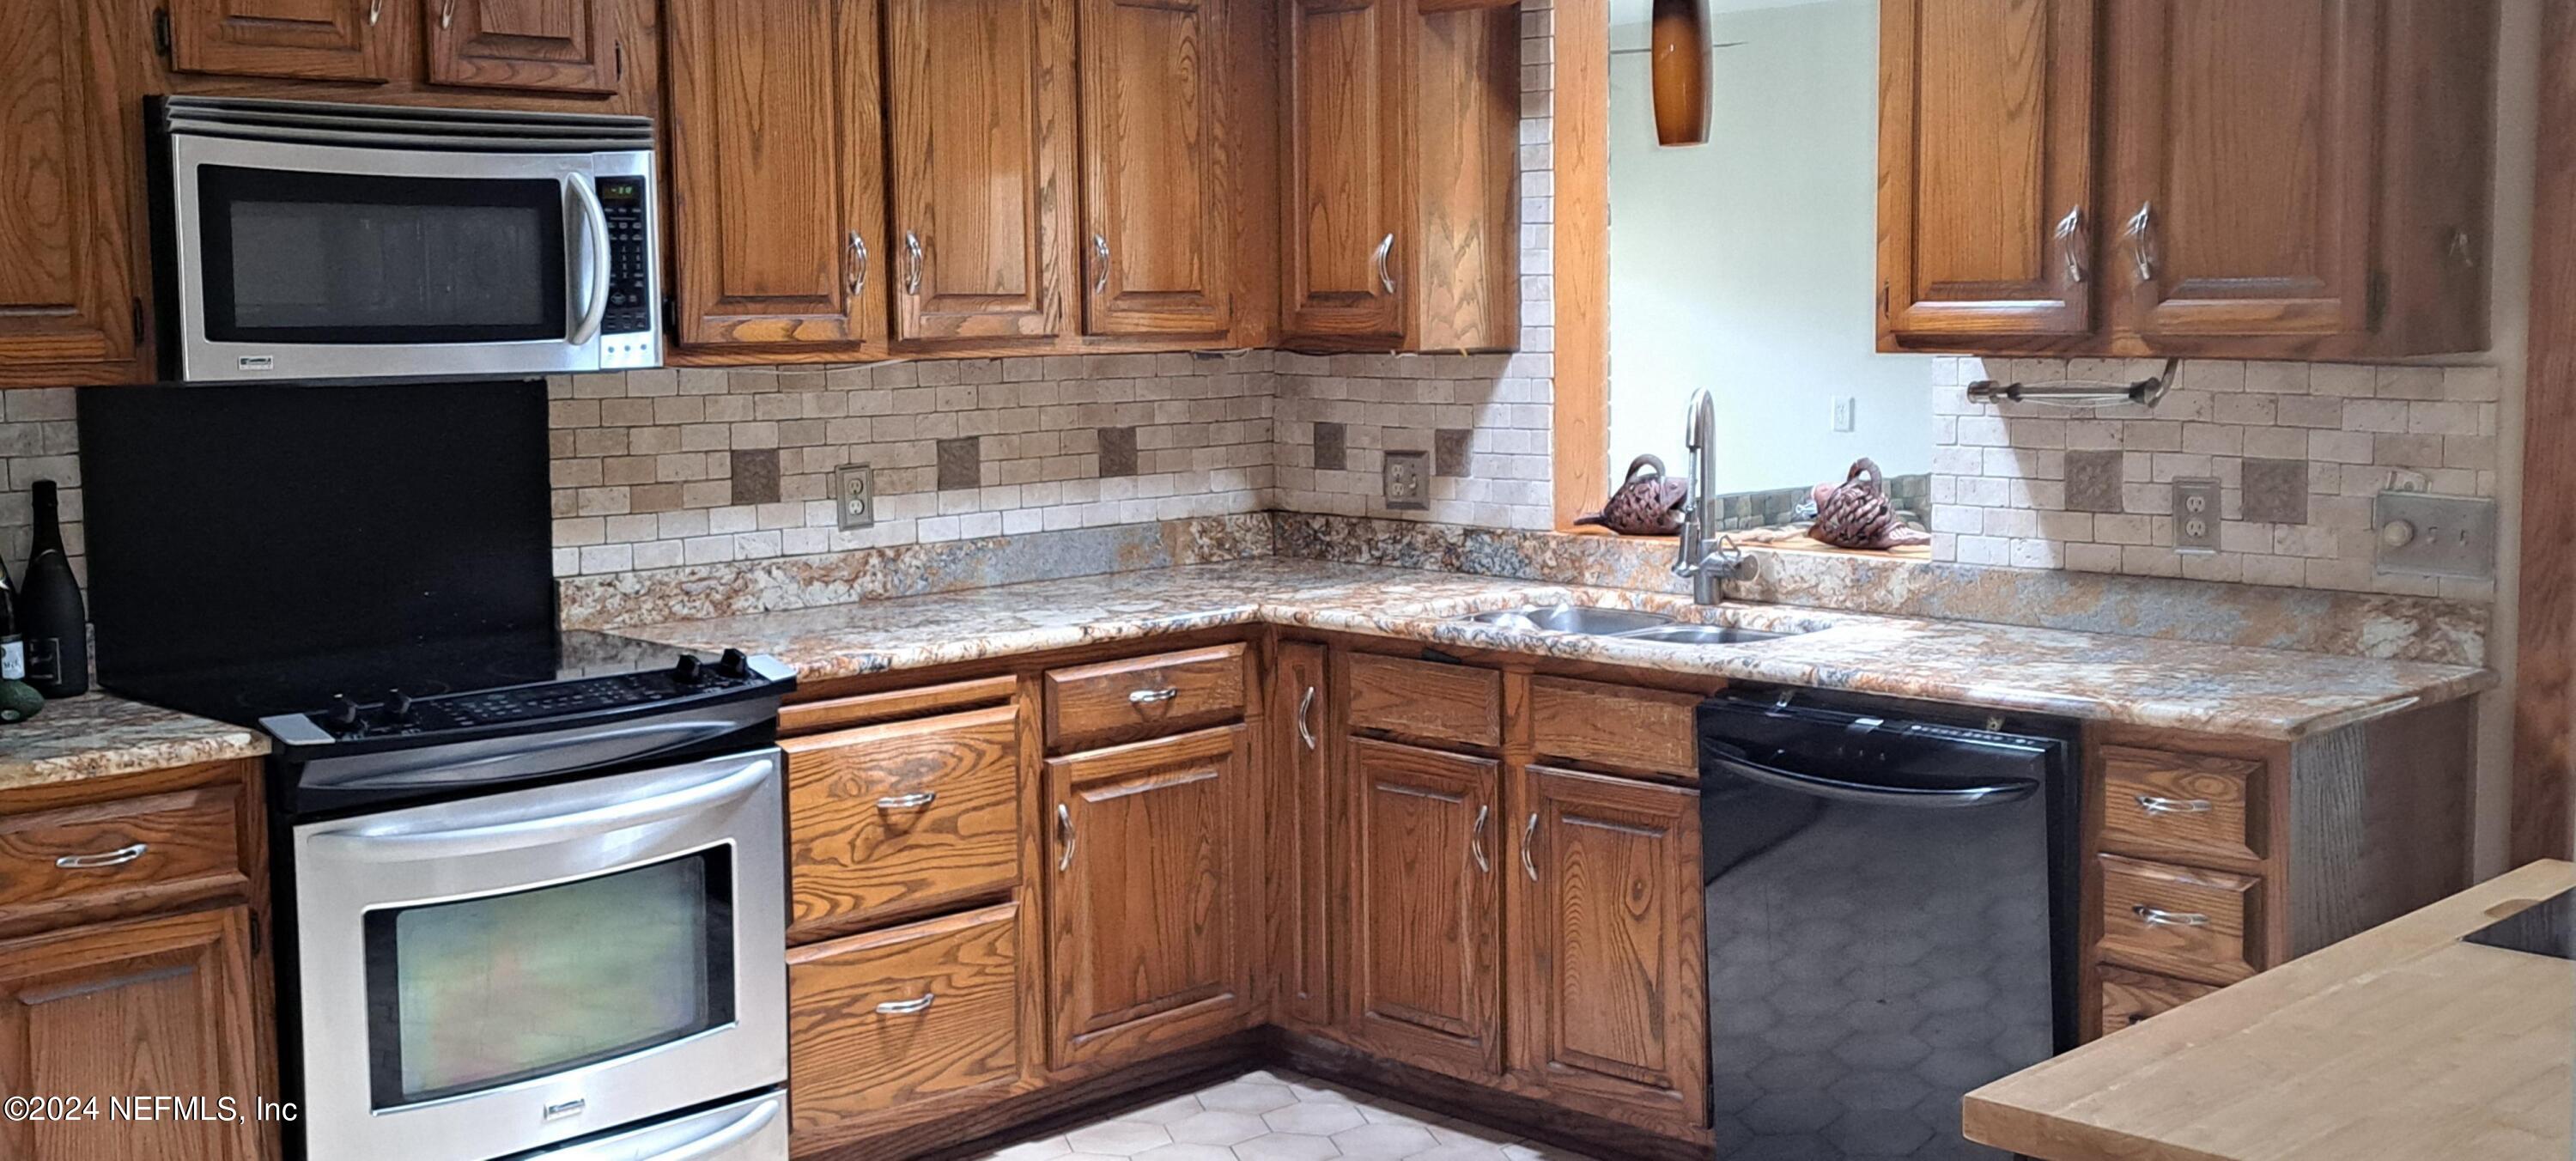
(1281, 1116)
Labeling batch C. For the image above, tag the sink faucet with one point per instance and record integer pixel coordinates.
(1710, 561)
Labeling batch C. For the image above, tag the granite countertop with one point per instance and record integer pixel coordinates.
(100, 736)
(2238, 690)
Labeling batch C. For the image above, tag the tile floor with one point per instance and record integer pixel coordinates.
(1282, 1116)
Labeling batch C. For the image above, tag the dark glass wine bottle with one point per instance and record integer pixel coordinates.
(50, 615)
(13, 648)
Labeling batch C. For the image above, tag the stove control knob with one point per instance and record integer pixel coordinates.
(734, 665)
(398, 708)
(690, 671)
(343, 716)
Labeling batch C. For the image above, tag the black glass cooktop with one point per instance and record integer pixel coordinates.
(2545, 928)
(245, 694)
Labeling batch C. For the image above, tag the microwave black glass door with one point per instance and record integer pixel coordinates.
(333, 258)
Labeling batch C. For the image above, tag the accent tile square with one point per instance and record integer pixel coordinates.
(1117, 452)
(2093, 481)
(1332, 447)
(1449, 455)
(2276, 491)
(755, 476)
(961, 463)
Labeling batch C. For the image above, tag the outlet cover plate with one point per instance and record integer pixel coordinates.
(2195, 514)
(856, 487)
(1408, 480)
(2421, 534)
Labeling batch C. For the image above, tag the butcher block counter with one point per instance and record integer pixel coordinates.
(2401, 1042)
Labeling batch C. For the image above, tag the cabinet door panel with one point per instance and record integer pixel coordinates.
(155, 1006)
(331, 40)
(1300, 825)
(2245, 172)
(66, 180)
(1427, 941)
(981, 149)
(561, 45)
(1614, 947)
(1152, 893)
(777, 201)
(1986, 207)
(1345, 168)
(1154, 194)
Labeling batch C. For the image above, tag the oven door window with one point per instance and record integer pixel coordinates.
(478, 993)
(334, 258)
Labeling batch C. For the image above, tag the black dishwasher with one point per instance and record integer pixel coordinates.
(1891, 899)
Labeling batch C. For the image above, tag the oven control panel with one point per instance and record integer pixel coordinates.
(535, 706)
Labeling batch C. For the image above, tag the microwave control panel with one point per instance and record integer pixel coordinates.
(630, 245)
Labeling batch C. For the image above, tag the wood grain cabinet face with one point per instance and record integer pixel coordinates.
(67, 244)
(1300, 824)
(1157, 241)
(153, 1006)
(777, 198)
(1152, 908)
(885, 1020)
(126, 856)
(1427, 859)
(1140, 697)
(2179, 921)
(2130, 998)
(322, 40)
(555, 45)
(1617, 1012)
(1345, 168)
(1987, 210)
(902, 819)
(2155, 802)
(980, 112)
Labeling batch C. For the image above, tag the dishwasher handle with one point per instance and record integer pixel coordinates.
(1735, 761)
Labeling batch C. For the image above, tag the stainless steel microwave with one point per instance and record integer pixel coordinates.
(303, 241)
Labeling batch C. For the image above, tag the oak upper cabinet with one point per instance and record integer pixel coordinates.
(2300, 179)
(981, 125)
(1610, 983)
(1426, 905)
(1152, 905)
(776, 150)
(1398, 225)
(151, 1007)
(1986, 140)
(68, 305)
(320, 40)
(556, 45)
(1158, 236)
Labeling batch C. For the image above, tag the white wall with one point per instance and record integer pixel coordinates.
(1747, 265)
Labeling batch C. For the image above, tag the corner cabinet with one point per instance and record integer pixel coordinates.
(1397, 212)
(2299, 179)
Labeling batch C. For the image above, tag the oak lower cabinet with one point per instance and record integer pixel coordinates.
(920, 1012)
(1426, 907)
(1153, 898)
(1609, 957)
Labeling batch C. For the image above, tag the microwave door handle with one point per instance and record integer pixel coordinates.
(594, 224)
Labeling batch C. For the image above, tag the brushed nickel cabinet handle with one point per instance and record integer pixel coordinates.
(1152, 696)
(1099, 264)
(2159, 917)
(1305, 719)
(1529, 839)
(2142, 242)
(913, 801)
(2153, 804)
(375, 12)
(1476, 839)
(920, 1003)
(1064, 837)
(115, 858)
(447, 13)
(2071, 242)
(2463, 250)
(858, 263)
(1385, 273)
(912, 259)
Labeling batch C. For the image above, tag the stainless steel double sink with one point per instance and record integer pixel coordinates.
(1623, 624)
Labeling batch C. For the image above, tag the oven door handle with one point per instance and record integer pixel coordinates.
(729, 784)
(1736, 762)
(594, 226)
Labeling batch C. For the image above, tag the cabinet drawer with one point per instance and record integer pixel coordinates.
(881, 1021)
(132, 855)
(2201, 925)
(1142, 697)
(1613, 725)
(902, 819)
(1427, 700)
(2155, 802)
(870, 708)
(2129, 997)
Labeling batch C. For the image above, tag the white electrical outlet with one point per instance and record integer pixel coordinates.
(856, 487)
(1846, 412)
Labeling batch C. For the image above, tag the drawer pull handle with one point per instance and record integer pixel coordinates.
(115, 858)
(1152, 696)
(2159, 917)
(1476, 840)
(2155, 805)
(920, 1003)
(1305, 719)
(913, 801)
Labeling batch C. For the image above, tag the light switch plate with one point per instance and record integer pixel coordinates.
(1846, 412)
(2195, 514)
(2421, 534)
(855, 485)
(1408, 480)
